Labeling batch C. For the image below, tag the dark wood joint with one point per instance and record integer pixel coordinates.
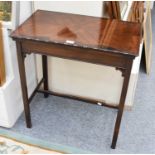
(122, 70)
(24, 55)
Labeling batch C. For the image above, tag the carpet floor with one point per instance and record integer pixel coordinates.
(90, 127)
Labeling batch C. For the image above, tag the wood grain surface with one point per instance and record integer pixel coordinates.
(81, 31)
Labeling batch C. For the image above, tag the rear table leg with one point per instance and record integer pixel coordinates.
(45, 74)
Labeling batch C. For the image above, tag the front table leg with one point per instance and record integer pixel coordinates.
(121, 104)
(20, 56)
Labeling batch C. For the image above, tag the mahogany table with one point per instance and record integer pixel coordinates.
(83, 38)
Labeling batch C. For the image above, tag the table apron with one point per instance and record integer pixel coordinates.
(76, 53)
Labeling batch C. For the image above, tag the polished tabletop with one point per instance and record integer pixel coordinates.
(81, 31)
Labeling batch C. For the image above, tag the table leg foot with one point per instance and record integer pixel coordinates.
(29, 125)
(113, 146)
(28, 118)
(46, 95)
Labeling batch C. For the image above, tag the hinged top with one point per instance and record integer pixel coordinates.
(81, 31)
